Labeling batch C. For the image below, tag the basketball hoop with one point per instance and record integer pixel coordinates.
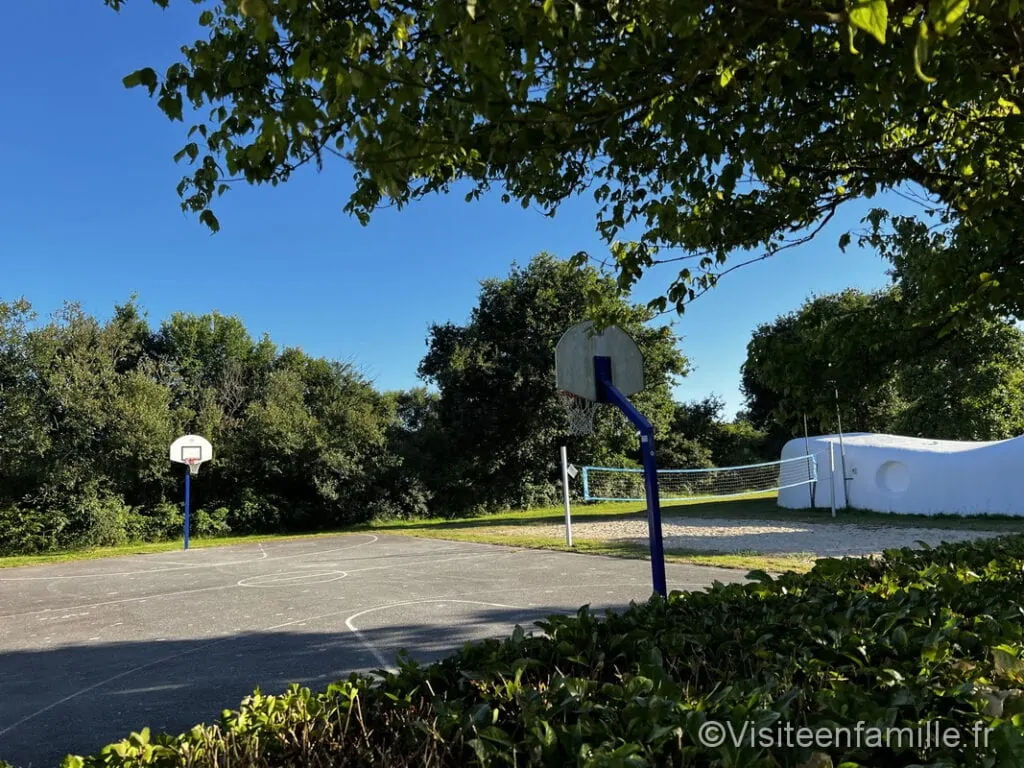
(193, 466)
(580, 411)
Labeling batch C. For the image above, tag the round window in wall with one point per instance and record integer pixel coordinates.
(893, 476)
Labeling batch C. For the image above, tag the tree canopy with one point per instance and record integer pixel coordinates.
(89, 408)
(710, 128)
(90, 405)
(497, 407)
(863, 351)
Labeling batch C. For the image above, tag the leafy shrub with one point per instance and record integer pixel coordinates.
(26, 531)
(399, 497)
(102, 520)
(211, 523)
(84, 517)
(164, 521)
(254, 514)
(918, 636)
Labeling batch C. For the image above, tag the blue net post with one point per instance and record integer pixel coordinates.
(606, 392)
(188, 493)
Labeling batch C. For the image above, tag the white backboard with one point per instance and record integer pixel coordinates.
(191, 447)
(574, 360)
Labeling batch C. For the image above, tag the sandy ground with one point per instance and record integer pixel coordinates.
(762, 536)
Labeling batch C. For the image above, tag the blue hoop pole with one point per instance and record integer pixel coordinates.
(607, 392)
(188, 493)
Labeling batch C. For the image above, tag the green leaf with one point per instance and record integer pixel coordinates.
(851, 35)
(206, 18)
(844, 241)
(305, 110)
(300, 67)
(207, 218)
(947, 15)
(872, 16)
(921, 53)
(1005, 661)
(146, 77)
(255, 9)
(170, 103)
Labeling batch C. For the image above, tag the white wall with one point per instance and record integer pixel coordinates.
(888, 473)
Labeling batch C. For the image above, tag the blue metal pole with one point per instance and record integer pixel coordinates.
(188, 491)
(606, 392)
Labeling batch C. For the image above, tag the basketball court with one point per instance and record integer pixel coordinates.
(92, 650)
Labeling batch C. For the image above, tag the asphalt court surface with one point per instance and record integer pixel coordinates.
(92, 650)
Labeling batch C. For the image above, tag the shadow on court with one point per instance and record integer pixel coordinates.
(185, 683)
(91, 651)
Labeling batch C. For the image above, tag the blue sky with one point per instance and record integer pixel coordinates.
(89, 213)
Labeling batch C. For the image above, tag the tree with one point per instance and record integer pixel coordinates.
(700, 437)
(971, 389)
(79, 425)
(710, 127)
(88, 409)
(838, 342)
(417, 446)
(25, 435)
(688, 443)
(497, 406)
(892, 375)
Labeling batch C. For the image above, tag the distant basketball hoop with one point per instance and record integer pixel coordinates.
(192, 451)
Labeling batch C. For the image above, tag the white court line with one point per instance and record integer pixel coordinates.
(197, 566)
(118, 602)
(210, 644)
(147, 665)
(178, 593)
(376, 651)
(288, 579)
(434, 561)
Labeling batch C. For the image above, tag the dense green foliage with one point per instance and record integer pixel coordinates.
(701, 436)
(892, 375)
(709, 127)
(89, 408)
(917, 637)
(497, 409)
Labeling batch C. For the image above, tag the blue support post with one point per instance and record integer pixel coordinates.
(606, 392)
(188, 492)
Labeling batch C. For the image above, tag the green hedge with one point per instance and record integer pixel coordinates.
(917, 636)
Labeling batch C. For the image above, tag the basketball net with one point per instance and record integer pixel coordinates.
(580, 411)
(193, 466)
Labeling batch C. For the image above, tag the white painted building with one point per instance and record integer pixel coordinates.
(910, 475)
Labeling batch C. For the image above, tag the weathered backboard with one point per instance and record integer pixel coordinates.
(188, 448)
(574, 360)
